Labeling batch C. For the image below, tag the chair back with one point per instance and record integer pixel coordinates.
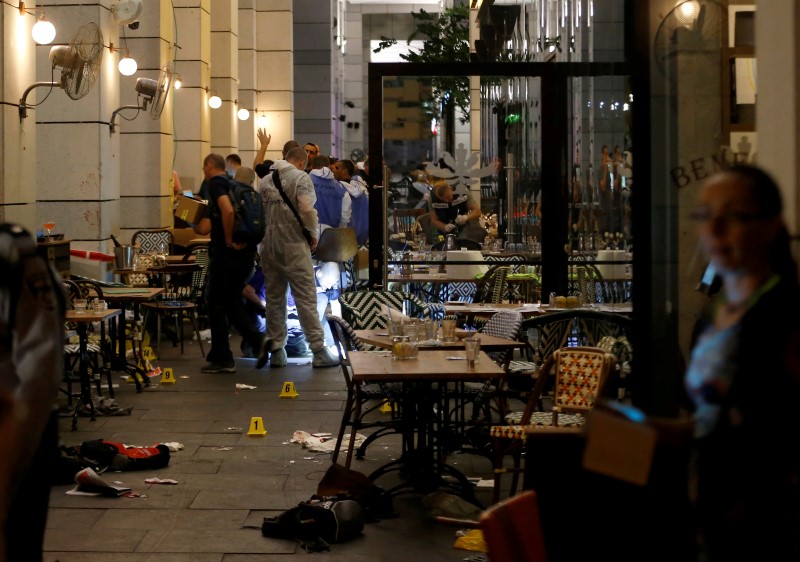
(513, 529)
(493, 286)
(337, 244)
(578, 327)
(504, 324)
(366, 310)
(580, 373)
(201, 258)
(345, 340)
(405, 221)
(149, 240)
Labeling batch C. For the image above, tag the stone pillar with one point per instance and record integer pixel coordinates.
(18, 183)
(192, 114)
(354, 86)
(275, 73)
(778, 108)
(225, 74)
(146, 143)
(248, 97)
(313, 73)
(77, 161)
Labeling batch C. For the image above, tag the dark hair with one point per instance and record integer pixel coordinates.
(234, 158)
(351, 168)
(767, 200)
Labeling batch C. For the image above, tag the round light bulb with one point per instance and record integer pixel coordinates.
(127, 66)
(243, 114)
(178, 83)
(43, 32)
(263, 121)
(214, 102)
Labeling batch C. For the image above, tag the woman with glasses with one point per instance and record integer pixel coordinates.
(743, 377)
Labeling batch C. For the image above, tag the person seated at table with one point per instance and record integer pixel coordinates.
(453, 213)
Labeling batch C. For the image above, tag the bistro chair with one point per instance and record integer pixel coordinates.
(149, 241)
(366, 310)
(577, 327)
(505, 324)
(405, 221)
(98, 347)
(362, 399)
(338, 245)
(512, 529)
(177, 302)
(579, 374)
(198, 295)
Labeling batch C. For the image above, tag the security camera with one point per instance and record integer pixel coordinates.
(134, 25)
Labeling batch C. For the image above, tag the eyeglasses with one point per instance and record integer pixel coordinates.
(727, 219)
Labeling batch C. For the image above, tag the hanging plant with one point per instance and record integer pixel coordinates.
(445, 37)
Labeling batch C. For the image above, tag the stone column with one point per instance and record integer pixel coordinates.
(18, 183)
(192, 114)
(275, 72)
(248, 97)
(225, 74)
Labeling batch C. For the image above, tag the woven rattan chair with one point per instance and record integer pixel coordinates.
(579, 373)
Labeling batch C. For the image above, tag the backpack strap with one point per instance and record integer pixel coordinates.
(276, 180)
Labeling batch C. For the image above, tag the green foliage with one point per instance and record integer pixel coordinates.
(445, 38)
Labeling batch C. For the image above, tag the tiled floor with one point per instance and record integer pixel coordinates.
(228, 481)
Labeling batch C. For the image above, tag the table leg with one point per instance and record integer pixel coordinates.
(86, 384)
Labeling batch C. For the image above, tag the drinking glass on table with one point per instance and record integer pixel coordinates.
(80, 305)
(449, 330)
(48, 227)
(471, 352)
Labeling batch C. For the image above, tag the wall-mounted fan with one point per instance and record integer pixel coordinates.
(79, 62)
(357, 155)
(691, 29)
(126, 11)
(151, 92)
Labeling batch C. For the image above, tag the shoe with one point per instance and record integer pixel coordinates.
(219, 368)
(263, 354)
(324, 358)
(278, 358)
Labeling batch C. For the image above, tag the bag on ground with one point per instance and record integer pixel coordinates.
(317, 523)
(118, 456)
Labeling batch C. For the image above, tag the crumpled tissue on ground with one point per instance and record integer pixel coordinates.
(322, 442)
(174, 446)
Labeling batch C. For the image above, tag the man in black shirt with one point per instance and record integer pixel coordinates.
(229, 268)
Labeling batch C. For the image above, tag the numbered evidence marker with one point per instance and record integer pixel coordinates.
(386, 407)
(288, 390)
(147, 353)
(257, 427)
(167, 377)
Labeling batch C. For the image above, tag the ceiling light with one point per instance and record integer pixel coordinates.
(214, 102)
(243, 114)
(43, 32)
(177, 82)
(127, 66)
(263, 121)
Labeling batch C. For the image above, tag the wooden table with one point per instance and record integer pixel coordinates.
(380, 338)
(82, 321)
(526, 309)
(423, 417)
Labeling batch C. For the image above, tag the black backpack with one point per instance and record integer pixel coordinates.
(317, 523)
(250, 226)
